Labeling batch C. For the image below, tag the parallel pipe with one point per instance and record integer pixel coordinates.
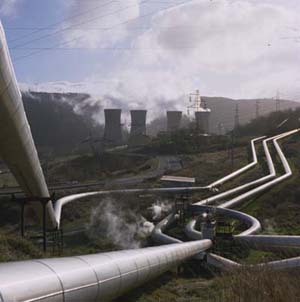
(241, 170)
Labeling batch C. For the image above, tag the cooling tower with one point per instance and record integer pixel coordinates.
(202, 120)
(138, 127)
(113, 129)
(173, 120)
(138, 122)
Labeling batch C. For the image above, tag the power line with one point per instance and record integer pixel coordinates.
(81, 36)
(58, 31)
(37, 30)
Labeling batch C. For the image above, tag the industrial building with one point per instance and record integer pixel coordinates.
(173, 120)
(113, 127)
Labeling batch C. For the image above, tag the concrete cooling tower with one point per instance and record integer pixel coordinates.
(173, 120)
(202, 120)
(138, 122)
(138, 127)
(113, 129)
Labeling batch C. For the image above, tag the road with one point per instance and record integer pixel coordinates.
(165, 163)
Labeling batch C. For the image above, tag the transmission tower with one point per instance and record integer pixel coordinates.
(195, 101)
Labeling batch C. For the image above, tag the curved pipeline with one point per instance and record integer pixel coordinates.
(253, 192)
(108, 275)
(241, 170)
(275, 241)
(243, 187)
(227, 264)
(71, 198)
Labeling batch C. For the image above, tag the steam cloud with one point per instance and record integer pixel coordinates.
(239, 49)
(159, 209)
(123, 227)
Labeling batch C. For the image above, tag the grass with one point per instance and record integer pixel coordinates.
(278, 210)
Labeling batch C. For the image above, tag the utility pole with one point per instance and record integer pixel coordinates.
(232, 150)
(237, 117)
(234, 133)
(278, 101)
(220, 126)
(257, 108)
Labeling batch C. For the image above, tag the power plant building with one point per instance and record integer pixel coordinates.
(173, 120)
(113, 127)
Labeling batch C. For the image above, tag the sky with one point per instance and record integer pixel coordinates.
(146, 53)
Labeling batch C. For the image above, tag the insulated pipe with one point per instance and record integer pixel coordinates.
(251, 193)
(98, 277)
(253, 224)
(250, 221)
(241, 170)
(60, 203)
(227, 264)
(238, 189)
(276, 241)
(190, 230)
(17, 148)
(65, 200)
(158, 233)
(267, 241)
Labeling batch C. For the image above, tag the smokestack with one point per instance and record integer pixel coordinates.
(138, 127)
(202, 120)
(113, 130)
(173, 120)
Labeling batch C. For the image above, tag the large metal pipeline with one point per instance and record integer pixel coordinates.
(88, 278)
(254, 224)
(250, 184)
(190, 230)
(75, 197)
(247, 237)
(241, 170)
(17, 147)
(98, 277)
(264, 187)
(19, 152)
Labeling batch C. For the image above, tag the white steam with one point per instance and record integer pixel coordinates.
(159, 209)
(122, 227)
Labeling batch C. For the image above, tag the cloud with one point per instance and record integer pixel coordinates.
(225, 48)
(8, 7)
(221, 47)
(98, 23)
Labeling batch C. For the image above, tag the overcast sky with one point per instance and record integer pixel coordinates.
(153, 50)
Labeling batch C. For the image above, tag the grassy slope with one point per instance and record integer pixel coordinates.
(188, 286)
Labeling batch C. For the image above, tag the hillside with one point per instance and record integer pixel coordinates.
(223, 110)
(55, 125)
(60, 121)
